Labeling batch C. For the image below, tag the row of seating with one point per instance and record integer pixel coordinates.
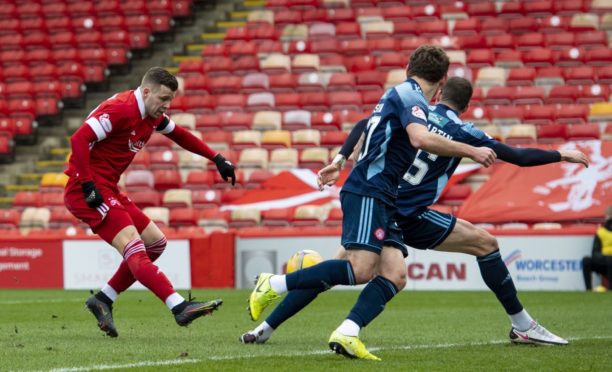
(442, 8)
(12, 9)
(374, 26)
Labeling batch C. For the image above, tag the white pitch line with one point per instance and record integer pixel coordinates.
(100, 367)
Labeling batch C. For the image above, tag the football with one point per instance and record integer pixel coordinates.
(302, 260)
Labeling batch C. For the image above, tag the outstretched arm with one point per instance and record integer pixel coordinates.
(529, 157)
(422, 139)
(189, 142)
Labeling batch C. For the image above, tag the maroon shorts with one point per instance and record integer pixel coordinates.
(115, 214)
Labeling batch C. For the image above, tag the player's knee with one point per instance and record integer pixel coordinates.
(396, 274)
(487, 243)
(364, 270)
(155, 249)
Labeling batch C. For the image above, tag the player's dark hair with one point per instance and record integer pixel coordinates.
(428, 62)
(457, 91)
(159, 76)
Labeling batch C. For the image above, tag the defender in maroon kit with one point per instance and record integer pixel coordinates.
(102, 148)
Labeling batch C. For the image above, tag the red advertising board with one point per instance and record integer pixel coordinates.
(31, 263)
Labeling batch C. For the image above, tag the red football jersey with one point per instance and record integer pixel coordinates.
(122, 129)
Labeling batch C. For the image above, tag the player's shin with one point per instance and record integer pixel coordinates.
(370, 304)
(123, 278)
(322, 276)
(292, 303)
(145, 271)
(497, 277)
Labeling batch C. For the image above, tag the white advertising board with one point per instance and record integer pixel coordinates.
(89, 264)
(535, 262)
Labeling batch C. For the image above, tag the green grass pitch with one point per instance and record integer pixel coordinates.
(419, 331)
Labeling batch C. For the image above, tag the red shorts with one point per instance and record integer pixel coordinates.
(117, 212)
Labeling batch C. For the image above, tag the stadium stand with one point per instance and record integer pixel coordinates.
(280, 83)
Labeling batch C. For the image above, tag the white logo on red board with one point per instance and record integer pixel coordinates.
(418, 112)
(379, 233)
(105, 122)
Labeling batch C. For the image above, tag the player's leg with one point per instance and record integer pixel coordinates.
(380, 290)
(295, 301)
(155, 244)
(587, 272)
(357, 269)
(467, 238)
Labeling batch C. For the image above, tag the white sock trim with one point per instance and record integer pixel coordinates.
(278, 283)
(109, 292)
(173, 300)
(349, 328)
(521, 320)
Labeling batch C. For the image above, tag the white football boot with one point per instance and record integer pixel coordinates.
(536, 335)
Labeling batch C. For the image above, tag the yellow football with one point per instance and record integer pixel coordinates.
(302, 260)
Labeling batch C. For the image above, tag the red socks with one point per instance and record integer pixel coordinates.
(123, 278)
(142, 269)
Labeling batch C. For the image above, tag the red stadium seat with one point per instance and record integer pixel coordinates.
(580, 75)
(257, 177)
(146, 198)
(277, 217)
(529, 96)
(563, 94)
(331, 139)
(552, 133)
(507, 115)
(166, 179)
(593, 93)
(283, 83)
(530, 40)
(600, 56)
(570, 57)
(572, 114)
(494, 27)
(205, 198)
(456, 194)
(24, 199)
(539, 115)
(560, 40)
(579, 132)
(524, 76)
(477, 58)
(183, 217)
(538, 57)
(325, 121)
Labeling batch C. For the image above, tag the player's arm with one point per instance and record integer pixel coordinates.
(529, 157)
(191, 143)
(79, 143)
(329, 174)
(422, 139)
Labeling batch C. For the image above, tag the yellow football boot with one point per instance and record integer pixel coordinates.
(262, 296)
(350, 347)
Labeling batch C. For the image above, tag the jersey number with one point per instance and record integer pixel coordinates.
(417, 171)
(370, 128)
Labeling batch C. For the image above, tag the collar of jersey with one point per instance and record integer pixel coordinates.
(446, 107)
(140, 100)
(415, 86)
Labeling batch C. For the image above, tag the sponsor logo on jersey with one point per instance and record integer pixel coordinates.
(113, 202)
(379, 233)
(105, 122)
(418, 112)
(135, 146)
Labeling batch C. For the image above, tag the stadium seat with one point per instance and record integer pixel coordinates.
(477, 58)
(600, 56)
(523, 76)
(165, 179)
(9, 218)
(35, 218)
(491, 77)
(183, 217)
(600, 111)
(240, 218)
(164, 159)
(314, 157)
(231, 121)
(325, 121)
(212, 219)
(267, 120)
(493, 131)
(549, 76)
(607, 132)
(24, 199)
(552, 133)
(51, 199)
(246, 138)
(521, 134)
(177, 198)
(539, 115)
(275, 64)
(593, 93)
(305, 63)
(560, 40)
(276, 217)
(312, 82)
(52, 182)
(60, 217)
(260, 101)
(253, 158)
(304, 138)
(254, 82)
(580, 132)
(506, 115)
(283, 158)
(500, 95)
(529, 95)
(579, 75)
(273, 139)
(538, 57)
(563, 94)
(205, 198)
(573, 114)
(571, 57)
(308, 215)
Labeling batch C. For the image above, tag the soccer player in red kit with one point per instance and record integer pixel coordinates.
(102, 148)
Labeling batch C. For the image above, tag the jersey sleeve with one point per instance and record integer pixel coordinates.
(413, 110)
(104, 119)
(471, 135)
